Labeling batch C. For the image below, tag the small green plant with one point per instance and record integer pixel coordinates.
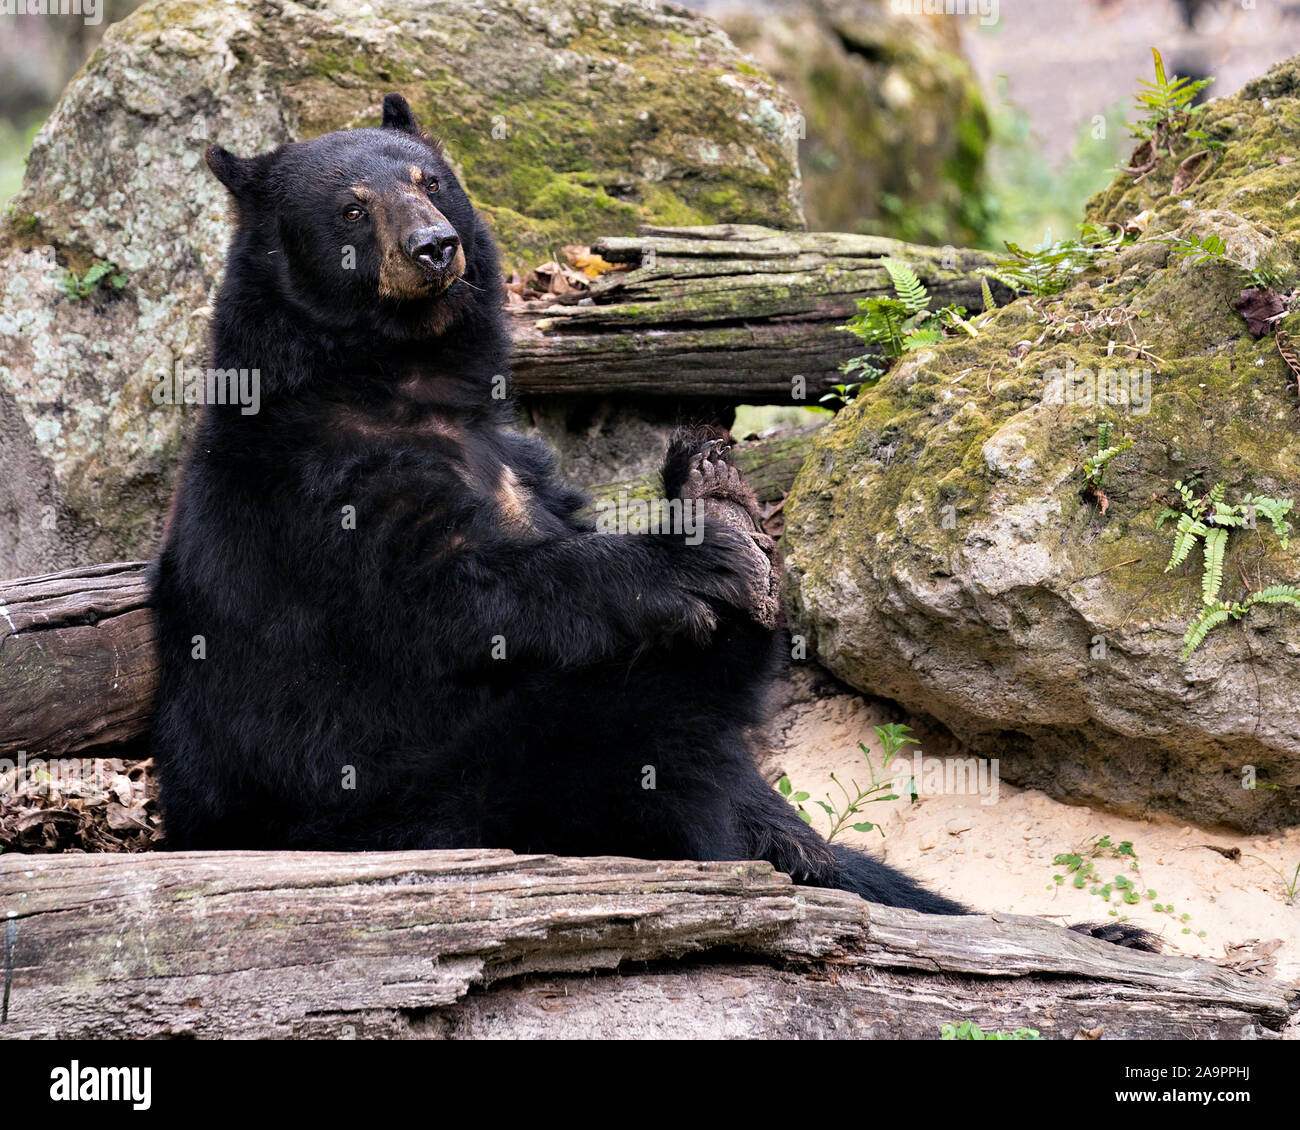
(1053, 266)
(1207, 519)
(969, 1030)
(1094, 467)
(843, 809)
(1167, 109)
(1290, 887)
(99, 274)
(844, 393)
(1082, 871)
(795, 797)
(1199, 250)
(896, 326)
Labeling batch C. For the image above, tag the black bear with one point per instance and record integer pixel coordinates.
(384, 623)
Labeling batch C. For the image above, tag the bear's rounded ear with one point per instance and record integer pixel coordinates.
(397, 115)
(236, 173)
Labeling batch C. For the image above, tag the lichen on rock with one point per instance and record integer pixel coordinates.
(944, 550)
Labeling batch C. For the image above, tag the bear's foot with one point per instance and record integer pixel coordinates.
(698, 469)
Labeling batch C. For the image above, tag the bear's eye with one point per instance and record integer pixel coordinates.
(352, 212)
(432, 186)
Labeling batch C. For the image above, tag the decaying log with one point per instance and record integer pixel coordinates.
(78, 668)
(730, 311)
(486, 943)
(77, 660)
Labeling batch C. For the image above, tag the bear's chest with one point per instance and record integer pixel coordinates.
(414, 465)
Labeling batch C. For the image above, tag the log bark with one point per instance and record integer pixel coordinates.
(77, 660)
(486, 943)
(78, 666)
(730, 311)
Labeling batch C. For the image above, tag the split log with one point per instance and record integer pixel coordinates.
(730, 311)
(78, 666)
(486, 943)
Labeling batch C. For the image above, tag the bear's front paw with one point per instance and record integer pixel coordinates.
(736, 568)
(718, 488)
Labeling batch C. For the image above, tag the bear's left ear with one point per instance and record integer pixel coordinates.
(397, 115)
(236, 173)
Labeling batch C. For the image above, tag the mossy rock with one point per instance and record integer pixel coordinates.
(568, 120)
(944, 551)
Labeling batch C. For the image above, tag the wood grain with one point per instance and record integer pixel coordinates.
(730, 311)
(487, 943)
(77, 659)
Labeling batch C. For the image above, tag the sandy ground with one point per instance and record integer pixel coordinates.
(999, 856)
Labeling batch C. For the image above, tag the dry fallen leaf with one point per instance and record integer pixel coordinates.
(1260, 308)
(588, 262)
(1144, 159)
(1190, 170)
(1139, 223)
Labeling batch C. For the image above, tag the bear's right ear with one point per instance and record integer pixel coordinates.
(236, 173)
(397, 115)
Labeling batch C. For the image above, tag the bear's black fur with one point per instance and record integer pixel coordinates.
(383, 623)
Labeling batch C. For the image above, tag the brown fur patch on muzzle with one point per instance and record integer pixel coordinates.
(400, 276)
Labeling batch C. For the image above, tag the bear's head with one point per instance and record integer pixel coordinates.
(362, 226)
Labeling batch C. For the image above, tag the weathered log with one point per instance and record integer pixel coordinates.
(730, 311)
(78, 668)
(486, 943)
(77, 660)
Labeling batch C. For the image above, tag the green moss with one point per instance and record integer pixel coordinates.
(21, 229)
(669, 209)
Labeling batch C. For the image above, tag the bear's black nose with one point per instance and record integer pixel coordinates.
(433, 248)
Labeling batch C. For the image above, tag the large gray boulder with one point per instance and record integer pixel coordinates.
(945, 550)
(569, 119)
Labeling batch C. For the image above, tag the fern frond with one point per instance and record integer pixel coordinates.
(1275, 594)
(1275, 510)
(1189, 529)
(1216, 543)
(1209, 619)
(987, 294)
(1229, 516)
(907, 286)
(921, 339)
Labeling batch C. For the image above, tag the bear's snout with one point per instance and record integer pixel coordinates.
(421, 253)
(433, 248)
